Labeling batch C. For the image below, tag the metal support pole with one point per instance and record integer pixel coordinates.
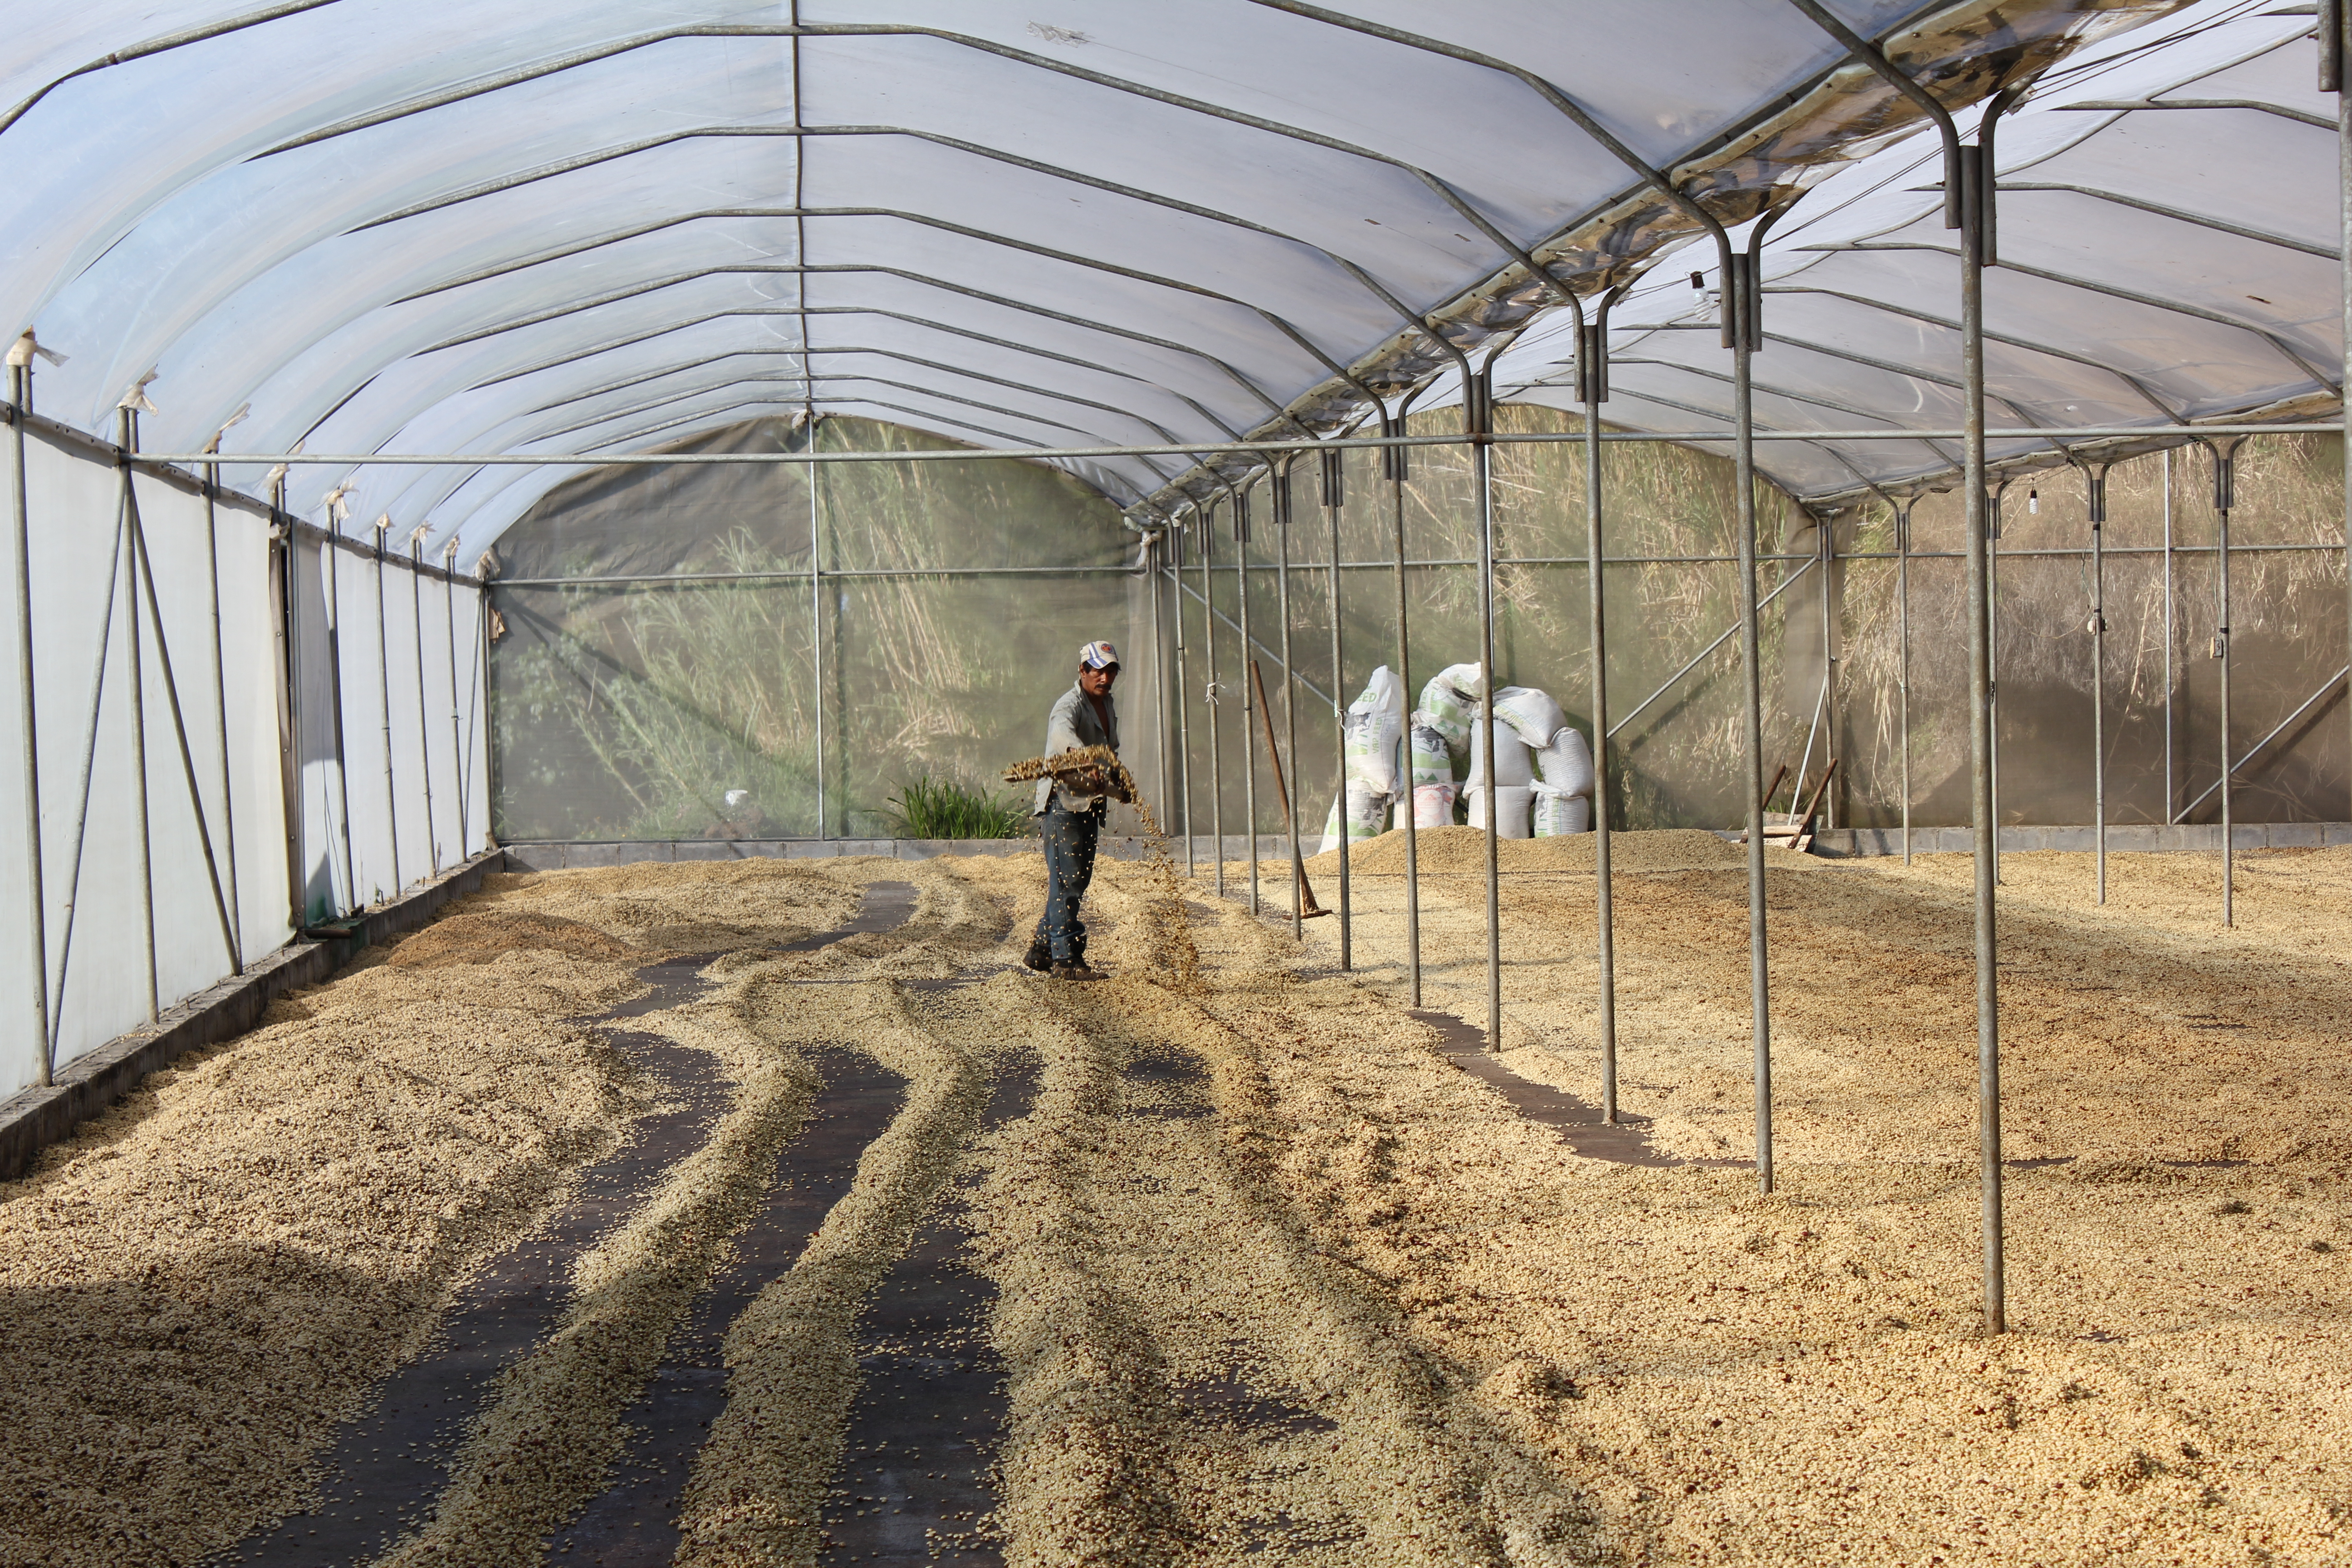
(1151, 547)
(1969, 207)
(1333, 494)
(1976, 185)
(457, 729)
(283, 557)
(1903, 656)
(2334, 23)
(423, 733)
(2225, 464)
(1478, 394)
(115, 554)
(2171, 696)
(128, 442)
(20, 377)
(483, 715)
(1183, 691)
(1209, 692)
(816, 622)
(384, 691)
(2096, 479)
(1393, 469)
(1760, 977)
(1249, 697)
(1289, 702)
(1592, 380)
(220, 710)
(328, 553)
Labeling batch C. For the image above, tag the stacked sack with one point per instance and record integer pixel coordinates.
(1432, 774)
(1441, 738)
(1373, 742)
(1543, 769)
(1564, 787)
(1514, 784)
(1563, 762)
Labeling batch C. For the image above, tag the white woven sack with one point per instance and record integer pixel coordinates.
(1433, 806)
(1447, 710)
(1432, 757)
(1464, 679)
(1368, 817)
(1557, 814)
(1567, 764)
(1532, 713)
(1375, 733)
(1512, 803)
(1513, 766)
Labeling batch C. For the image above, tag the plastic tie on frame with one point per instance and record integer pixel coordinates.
(278, 472)
(243, 411)
(135, 397)
(21, 351)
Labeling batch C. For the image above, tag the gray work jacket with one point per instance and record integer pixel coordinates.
(1071, 725)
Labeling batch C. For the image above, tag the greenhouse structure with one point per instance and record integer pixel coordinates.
(1720, 923)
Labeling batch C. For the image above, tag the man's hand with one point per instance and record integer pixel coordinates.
(1097, 780)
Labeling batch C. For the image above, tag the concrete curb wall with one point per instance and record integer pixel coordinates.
(37, 1118)
(2139, 837)
(561, 857)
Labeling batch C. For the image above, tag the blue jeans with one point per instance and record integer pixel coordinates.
(1069, 838)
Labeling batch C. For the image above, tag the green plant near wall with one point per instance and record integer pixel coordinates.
(942, 808)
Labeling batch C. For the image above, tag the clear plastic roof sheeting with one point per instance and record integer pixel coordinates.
(436, 227)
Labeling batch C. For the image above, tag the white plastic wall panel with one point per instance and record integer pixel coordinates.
(377, 652)
(74, 508)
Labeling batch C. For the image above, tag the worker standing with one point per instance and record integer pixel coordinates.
(1071, 824)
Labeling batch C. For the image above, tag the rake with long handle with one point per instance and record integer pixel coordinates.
(1308, 907)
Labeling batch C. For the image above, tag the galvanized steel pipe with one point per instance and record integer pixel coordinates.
(20, 391)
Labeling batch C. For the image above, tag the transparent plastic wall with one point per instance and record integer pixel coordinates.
(2162, 702)
(1672, 597)
(1678, 758)
(219, 730)
(665, 665)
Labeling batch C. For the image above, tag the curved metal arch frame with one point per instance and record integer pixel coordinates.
(960, 371)
(944, 225)
(796, 31)
(807, 380)
(1929, 317)
(644, 433)
(2090, 286)
(907, 274)
(790, 310)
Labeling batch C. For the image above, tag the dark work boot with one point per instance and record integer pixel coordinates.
(1039, 957)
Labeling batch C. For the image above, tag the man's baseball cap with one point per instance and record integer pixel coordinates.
(1097, 656)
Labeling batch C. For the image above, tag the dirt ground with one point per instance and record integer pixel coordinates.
(1276, 1277)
